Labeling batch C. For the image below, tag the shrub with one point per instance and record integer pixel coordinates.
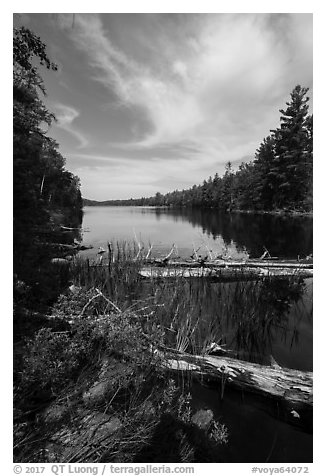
(55, 359)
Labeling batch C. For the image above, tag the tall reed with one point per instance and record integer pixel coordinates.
(195, 313)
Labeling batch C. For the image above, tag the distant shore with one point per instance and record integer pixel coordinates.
(288, 213)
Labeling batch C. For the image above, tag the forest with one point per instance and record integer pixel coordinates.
(280, 176)
(45, 194)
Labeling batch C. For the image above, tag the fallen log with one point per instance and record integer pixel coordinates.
(60, 261)
(69, 247)
(68, 228)
(291, 389)
(84, 247)
(233, 264)
(223, 274)
(60, 246)
(295, 386)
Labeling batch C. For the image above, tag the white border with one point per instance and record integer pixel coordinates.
(141, 6)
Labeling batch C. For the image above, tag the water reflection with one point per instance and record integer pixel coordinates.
(33, 251)
(267, 323)
(255, 319)
(283, 236)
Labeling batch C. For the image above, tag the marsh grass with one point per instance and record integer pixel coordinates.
(118, 278)
(192, 314)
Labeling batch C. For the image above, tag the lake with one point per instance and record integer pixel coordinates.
(289, 341)
(285, 237)
(283, 329)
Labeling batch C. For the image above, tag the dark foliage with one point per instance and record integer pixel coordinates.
(45, 194)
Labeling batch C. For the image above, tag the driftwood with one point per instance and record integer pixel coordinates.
(83, 247)
(290, 264)
(294, 386)
(226, 269)
(291, 389)
(61, 261)
(222, 274)
(68, 228)
(68, 247)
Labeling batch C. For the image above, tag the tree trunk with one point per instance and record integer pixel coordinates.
(291, 389)
(223, 274)
(220, 264)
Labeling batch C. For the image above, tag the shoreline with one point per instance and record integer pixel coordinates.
(285, 213)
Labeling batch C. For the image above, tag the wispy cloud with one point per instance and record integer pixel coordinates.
(66, 115)
(214, 91)
(183, 94)
(127, 177)
(168, 102)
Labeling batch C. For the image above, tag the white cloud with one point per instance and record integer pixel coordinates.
(124, 177)
(181, 69)
(232, 71)
(65, 116)
(212, 82)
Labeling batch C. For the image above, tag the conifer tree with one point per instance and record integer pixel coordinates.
(266, 186)
(292, 169)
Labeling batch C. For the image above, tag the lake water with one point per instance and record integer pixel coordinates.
(289, 339)
(254, 435)
(283, 236)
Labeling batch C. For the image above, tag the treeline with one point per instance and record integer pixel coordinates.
(45, 194)
(278, 178)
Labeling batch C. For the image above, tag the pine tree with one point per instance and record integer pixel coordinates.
(292, 169)
(267, 173)
(227, 195)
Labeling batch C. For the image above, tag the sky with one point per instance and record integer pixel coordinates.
(150, 103)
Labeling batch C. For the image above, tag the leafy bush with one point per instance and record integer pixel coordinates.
(55, 359)
(117, 348)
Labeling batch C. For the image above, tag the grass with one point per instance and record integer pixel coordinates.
(100, 360)
(194, 313)
(56, 394)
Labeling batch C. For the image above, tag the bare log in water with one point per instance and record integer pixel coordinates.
(274, 381)
(220, 274)
(293, 389)
(68, 247)
(284, 264)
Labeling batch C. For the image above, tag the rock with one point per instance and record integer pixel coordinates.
(74, 289)
(295, 414)
(203, 419)
(96, 395)
(53, 452)
(87, 427)
(54, 414)
(101, 425)
(113, 376)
